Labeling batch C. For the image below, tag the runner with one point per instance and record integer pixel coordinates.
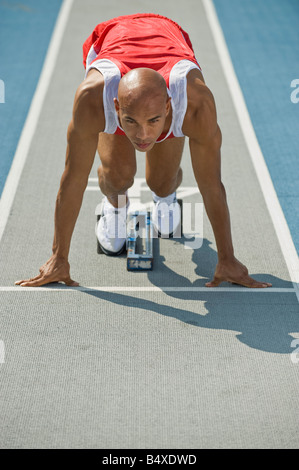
(143, 90)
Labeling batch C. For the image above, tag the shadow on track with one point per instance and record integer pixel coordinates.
(262, 321)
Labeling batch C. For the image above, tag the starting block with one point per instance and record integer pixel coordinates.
(140, 254)
(139, 239)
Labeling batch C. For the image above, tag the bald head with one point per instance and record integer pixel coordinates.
(140, 84)
(143, 107)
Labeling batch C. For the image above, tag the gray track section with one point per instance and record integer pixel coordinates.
(168, 369)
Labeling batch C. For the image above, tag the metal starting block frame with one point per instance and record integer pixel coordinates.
(140, 255)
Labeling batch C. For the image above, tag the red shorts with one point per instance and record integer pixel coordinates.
(140, 40)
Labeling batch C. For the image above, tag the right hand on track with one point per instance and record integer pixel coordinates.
(54, 270)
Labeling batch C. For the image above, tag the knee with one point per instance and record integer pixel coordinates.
(118, 180)
(162, 189)
(163, 186)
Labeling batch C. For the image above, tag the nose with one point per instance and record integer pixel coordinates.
(142, 133)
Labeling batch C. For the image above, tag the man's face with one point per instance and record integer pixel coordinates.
(143, 122)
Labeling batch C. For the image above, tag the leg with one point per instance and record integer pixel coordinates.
(116, 175)
(118, 166)
(164, 175)
(163, 171)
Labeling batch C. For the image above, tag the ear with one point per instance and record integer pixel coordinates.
(116, 104)
(168, 105)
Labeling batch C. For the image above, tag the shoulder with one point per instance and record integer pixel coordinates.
(88, 107)
(200, 121)
(90, 91)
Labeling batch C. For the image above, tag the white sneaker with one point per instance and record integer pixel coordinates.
(111, 229)
(166, 215)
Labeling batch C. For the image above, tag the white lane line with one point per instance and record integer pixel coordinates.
(63, 288)
(280, 225)
(29, 128)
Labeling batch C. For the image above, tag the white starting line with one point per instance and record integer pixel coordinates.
(144, 289)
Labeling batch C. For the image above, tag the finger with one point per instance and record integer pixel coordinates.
(248, 282)
(28, 280)
(252, 283)
(42, 280)
(261, 285)
(71, 283)
(215, 283)
(38, 281)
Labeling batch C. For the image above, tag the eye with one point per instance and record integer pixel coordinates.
(130, 121)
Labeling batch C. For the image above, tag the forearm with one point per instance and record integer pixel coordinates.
(206, 161)
(218, 213)
(68, 204)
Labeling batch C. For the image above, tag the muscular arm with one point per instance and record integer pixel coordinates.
(82, 138)
(205, 157)
(82, 142)
(205, 145)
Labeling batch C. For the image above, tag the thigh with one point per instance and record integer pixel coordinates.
(117, 154)
(163, 160)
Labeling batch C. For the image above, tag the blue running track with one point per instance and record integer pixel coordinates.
(263, 41)
(25, 32)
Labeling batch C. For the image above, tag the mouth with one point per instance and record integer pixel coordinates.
(142, 146)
